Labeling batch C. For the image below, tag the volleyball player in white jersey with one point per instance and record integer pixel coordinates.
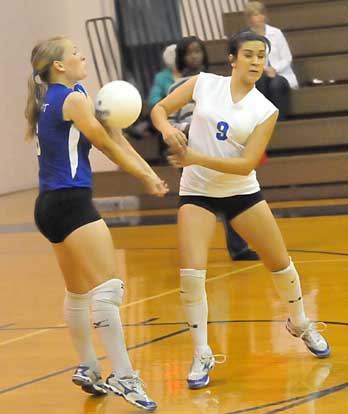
(231, 126)
(61, 119)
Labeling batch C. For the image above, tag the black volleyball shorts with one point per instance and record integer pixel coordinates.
(228, 206)
(59, 212)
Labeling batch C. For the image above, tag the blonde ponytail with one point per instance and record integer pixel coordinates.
(36, 94)
(42, 56)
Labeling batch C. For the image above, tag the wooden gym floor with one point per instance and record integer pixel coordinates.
(267, 371)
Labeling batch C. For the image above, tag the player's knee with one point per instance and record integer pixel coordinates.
(284, 266)
(108, 293)
(192, 286)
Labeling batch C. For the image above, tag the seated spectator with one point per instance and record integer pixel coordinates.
(191, 59)
(165, 77)
(278, 75)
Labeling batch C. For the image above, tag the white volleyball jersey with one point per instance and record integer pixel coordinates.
(220, 128)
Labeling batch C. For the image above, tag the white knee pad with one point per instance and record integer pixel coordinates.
(76, 301)
(192, 286)
(288, 269)
(287, 283)
(106, 294)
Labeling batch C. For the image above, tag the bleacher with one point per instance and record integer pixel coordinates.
(308, 154)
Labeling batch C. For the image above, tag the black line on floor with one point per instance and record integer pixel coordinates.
(179, 323)
(224, 248)
(238, 321)
(303, 399)
(159, 339)
(54, 374)
(147, 321)
(318, 252)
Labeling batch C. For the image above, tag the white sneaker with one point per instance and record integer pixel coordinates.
(314, 341)
(90, 381)
(131, 389)
(201, 365)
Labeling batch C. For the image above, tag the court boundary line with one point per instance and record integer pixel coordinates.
(137, 302)
(62, 371)
(303, 400)
(183, 323)
(168, 292)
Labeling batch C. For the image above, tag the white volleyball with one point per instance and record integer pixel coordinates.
(118, 104)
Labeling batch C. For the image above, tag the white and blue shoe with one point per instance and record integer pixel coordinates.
(131, 389)
(198, 376)
(314, 341)
(89, 380)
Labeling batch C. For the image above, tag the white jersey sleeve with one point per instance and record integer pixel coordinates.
(266, 108)
(201, 84)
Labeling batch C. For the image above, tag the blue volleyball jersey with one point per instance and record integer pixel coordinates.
(62, 149)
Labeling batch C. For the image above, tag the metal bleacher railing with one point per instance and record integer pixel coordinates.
(103, 41)
(129, 46)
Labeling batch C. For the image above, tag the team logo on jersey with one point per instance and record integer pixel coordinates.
(44, 107)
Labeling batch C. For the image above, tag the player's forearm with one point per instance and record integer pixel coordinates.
(120, 139)
(238, 166)
(159, 118)
(101, 139)
(120, 156)
(134, 156)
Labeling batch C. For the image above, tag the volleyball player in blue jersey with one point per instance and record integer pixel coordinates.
(60, 117)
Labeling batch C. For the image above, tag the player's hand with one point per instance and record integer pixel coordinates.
(180, 159)
(155, 186)
(175, 139)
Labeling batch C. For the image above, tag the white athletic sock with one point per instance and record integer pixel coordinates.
(194, 299)
(288, 286)
(106, 298)
(76, 315)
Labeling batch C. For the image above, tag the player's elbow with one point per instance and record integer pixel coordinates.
(246, 171)
(248, 164)
(158, 109)
(154, 111)
(246, 167)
